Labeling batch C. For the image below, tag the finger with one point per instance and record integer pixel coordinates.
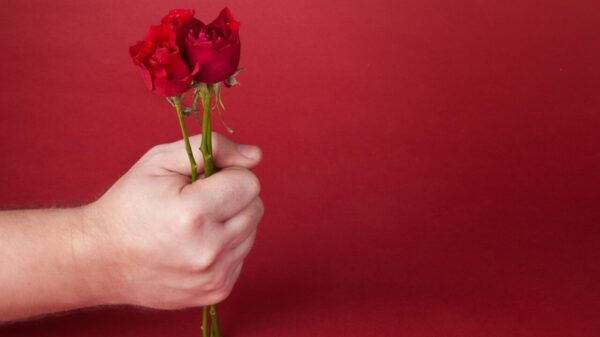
(221, 238)
(232, 257)
(173, 157)
(243, 225)
(228, 153)
(225, 280)
(222, 195)
(240, 252)
(236, 271)
(233, 275)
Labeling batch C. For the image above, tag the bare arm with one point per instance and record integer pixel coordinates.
(46, 263)
(152, 239)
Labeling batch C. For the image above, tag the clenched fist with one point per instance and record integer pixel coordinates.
(153, 239)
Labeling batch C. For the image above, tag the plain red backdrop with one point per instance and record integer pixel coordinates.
(431, 167)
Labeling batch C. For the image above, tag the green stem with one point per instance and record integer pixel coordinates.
(214, 324)
(205, 322)
(188, 148)
(206, 146)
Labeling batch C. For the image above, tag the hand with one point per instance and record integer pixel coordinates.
(164, 243)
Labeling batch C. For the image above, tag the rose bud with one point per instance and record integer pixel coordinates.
(215, 48)
(164, 70)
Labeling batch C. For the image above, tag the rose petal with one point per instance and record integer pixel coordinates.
(171, 87)
(160, 33)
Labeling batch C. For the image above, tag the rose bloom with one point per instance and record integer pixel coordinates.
(214, 48)
(164, 70)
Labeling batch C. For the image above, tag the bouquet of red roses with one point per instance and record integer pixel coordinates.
(182, 55)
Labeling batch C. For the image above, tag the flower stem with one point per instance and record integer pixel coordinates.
(214, 324)
(206, 146)
(205, 322)
(206, 149)
(188, 148)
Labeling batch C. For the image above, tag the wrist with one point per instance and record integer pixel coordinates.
(96, 260)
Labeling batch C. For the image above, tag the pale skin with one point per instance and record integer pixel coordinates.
(153, 239)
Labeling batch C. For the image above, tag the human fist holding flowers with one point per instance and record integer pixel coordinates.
(159, 237)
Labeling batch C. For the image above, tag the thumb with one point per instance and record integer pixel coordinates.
(227, 153)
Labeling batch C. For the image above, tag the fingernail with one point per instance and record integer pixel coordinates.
(248, 151)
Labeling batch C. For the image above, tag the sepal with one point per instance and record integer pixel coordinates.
(231, 80)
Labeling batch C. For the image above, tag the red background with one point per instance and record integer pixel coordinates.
(431, 167)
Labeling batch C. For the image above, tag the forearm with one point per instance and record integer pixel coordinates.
(48, 262)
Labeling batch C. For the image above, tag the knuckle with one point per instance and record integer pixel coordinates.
(157, 149)
(190, 218)
(205, 261)
(156, 154)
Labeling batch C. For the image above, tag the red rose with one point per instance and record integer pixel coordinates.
(163, 68)
(181, 21)
(215, 48)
